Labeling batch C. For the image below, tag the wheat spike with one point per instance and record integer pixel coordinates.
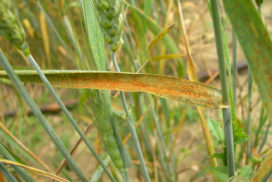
(10, 26)
(111, 19)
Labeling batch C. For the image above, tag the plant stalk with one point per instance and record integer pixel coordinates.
(21, 172)
(36, 111)
(234, 66)
(67, 113)
(223, 77)
(249, 115)
(131, 128)
(266, 135)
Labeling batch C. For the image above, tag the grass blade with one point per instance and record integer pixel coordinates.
(64, 162)
(156, 29)
(18, 170)
(163, 86)
(38, 171)
(191, 70)
(7, 174)
(54, 29)
(25, 148)
(131, 127)
(248, 126)
(5, 64)
(234, 67)
(159, 37)
(67, 113)
(264, 169)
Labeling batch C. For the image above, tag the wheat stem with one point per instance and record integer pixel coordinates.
(36, 111)
(130, 125)
(223, 77)
(67, 113)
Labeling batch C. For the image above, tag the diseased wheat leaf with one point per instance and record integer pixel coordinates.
(163, 86)
(256, 44)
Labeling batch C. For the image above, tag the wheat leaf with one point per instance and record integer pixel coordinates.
(162, 86)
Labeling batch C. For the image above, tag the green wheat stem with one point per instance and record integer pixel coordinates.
(265, 138)
(262, 121)
(136, 66)
(167, 168)
(234, 66)
(131, 128)
(36, 111)
(250, 82)
(164, 153)
(158, 128)
(223, 77)
(67, 113)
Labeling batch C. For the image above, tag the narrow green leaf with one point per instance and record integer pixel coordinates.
(95, 35)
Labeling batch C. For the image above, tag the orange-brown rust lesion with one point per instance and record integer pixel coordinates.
(163, 86)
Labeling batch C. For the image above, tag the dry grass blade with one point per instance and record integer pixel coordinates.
(25, 148)
(45, 36)
(264, 169)
(167, 87)
(190, 63)
(159, 37)
(193, 76)
(166, 56)
(64, 162)
(35, 170)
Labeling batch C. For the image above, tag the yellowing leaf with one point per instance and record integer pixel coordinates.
(264, 169)
(34, 170)
(166, 56)
(159, 37)
(162, 86)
